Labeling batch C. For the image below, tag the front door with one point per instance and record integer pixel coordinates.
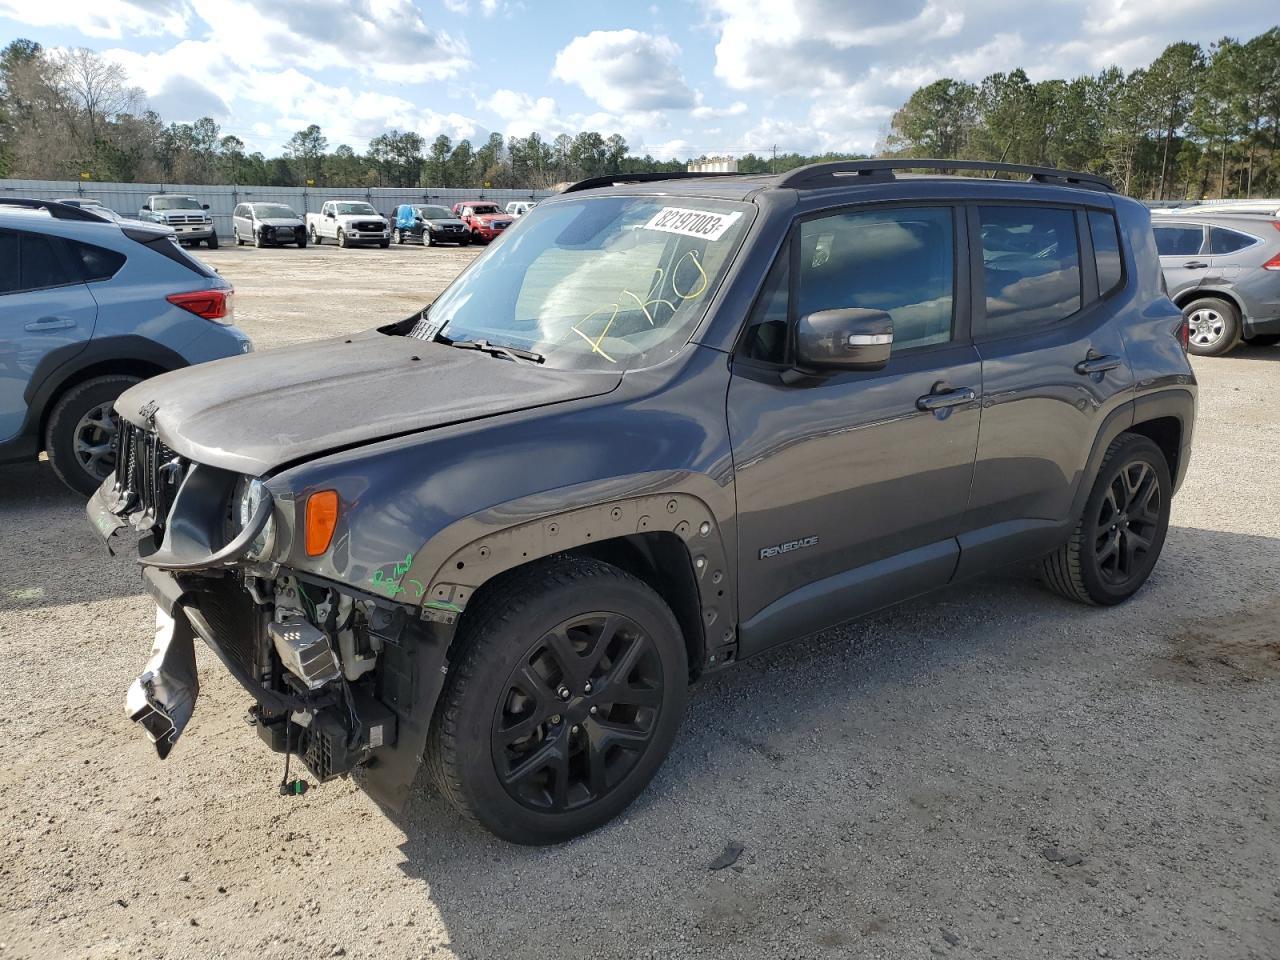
(44, 306)
(851, 486)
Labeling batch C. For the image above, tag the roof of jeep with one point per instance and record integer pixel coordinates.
(835, 175)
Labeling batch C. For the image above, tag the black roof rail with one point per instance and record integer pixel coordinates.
(59, 211)
(831, 174)
(613, 179)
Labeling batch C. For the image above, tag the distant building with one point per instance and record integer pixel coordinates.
(714, 165)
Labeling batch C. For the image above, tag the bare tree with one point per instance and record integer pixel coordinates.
(94, 88)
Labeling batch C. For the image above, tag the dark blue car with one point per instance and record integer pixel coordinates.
(428, 224)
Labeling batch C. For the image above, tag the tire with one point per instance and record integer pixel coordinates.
(1091, 566)
(1215, 326)
(315, 237)
(476, 238)
(505, 662)
(74, 416)
(257, 241)
(212, 241)
(428, 240)
(342, 239)
(399, 236)
(1262, 339)
(302, 244)
(464, 242)
(236, 234)
(385, 244)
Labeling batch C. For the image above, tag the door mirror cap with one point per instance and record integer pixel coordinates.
(204, 206)
(851, 338)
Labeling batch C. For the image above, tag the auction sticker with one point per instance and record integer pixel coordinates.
(692, 223)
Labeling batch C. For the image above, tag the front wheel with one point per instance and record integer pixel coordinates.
(302, 243)
(568, 689)
(213, 241)
(80, 436)
(1214, 326)
(1119, 535)
(384, 244)
(399, 236)
(342, 238)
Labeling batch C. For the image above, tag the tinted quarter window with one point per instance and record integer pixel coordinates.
(1175, 241)
(8, 262)
(1031, 267)
(41, 266)
(1222, 240)
(1106, 250)
(766, 336)
(901, 261)
(98, 263)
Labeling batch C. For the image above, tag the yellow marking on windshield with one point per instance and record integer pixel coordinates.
(595, 347)
(644, 305)
(692, 254)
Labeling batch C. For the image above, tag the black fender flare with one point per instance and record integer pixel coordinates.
(442, 579)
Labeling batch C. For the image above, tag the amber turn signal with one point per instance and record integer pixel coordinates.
(322, 518)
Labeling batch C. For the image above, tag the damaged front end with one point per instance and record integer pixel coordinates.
(345, 679)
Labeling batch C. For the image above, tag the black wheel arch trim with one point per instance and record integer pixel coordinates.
(65, 366)
(449, 580)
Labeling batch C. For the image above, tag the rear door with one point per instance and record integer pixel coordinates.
(1053, 367)
(1229, 251)
(850, 492)
(1182, 254)
(44, 306)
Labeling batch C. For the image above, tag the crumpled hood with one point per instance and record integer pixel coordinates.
(292, 222)
(445, 222)
(259, 411)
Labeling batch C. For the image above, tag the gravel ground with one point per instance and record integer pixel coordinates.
(991, 772)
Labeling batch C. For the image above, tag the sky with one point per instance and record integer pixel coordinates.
(676, 78)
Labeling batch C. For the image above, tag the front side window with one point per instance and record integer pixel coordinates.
(598, 282)
(41, 265)
(1175, 241)
(1031, 267)
(9, 280)
(1106, 250)
(1222, 240)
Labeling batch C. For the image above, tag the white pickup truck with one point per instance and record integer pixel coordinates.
(349, 222)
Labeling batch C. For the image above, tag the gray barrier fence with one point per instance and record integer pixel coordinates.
(127, 198)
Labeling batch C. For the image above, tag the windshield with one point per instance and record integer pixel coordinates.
(433, 213)
(269, 211)
(175, 203)
(485, 208)
(358, 208)
(606, 283)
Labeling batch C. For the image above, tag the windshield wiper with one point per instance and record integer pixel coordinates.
(495, 349)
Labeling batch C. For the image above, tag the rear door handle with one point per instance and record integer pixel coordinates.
(49, 323)
(942, 398)
(1195, 265)
(1097, 365)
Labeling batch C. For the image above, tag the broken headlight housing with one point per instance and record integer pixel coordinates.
(250, 492)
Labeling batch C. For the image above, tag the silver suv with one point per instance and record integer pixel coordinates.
(1224, 272)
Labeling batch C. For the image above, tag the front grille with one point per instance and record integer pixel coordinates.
(186, 218)
(367, 227)
(148, 475)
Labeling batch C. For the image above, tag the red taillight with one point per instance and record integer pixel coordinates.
(1274, 262)
(1184, 334)
(215, 305)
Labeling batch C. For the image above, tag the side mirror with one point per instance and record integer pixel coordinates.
(329, 214)
(204, 206)
(146, 206)
(847, 339)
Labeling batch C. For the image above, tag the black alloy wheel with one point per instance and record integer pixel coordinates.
(1128, 521)
(577, 712)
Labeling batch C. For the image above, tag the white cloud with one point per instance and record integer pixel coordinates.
(703, 112)
(625, 70)
(524, 114)
(109, 19)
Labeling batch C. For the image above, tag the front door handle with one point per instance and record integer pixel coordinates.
(49, 323)
(1195, 265)
(943, 397)
(1097, 365)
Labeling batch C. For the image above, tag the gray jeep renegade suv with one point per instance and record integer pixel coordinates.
(666, 424)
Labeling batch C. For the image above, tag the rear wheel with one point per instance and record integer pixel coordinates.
(1214, 326)
(1120, 533)
(564, 700)
(81, 432)
(399, 235)
(239, 240)
(315, 237)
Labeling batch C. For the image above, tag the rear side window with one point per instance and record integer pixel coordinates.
(98, 262)
(40, 264)
(1175, 241)
(1031, 267)
(1106, 250)
(1222, 240)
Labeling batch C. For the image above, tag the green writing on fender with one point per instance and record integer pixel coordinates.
(391, 584)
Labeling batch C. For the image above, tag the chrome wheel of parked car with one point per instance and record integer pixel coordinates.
(311, 232)
(1214, 326)
(399, 235)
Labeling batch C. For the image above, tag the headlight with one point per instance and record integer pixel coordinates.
(252, 493)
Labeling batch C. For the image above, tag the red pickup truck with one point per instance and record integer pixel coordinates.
(486, 220)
